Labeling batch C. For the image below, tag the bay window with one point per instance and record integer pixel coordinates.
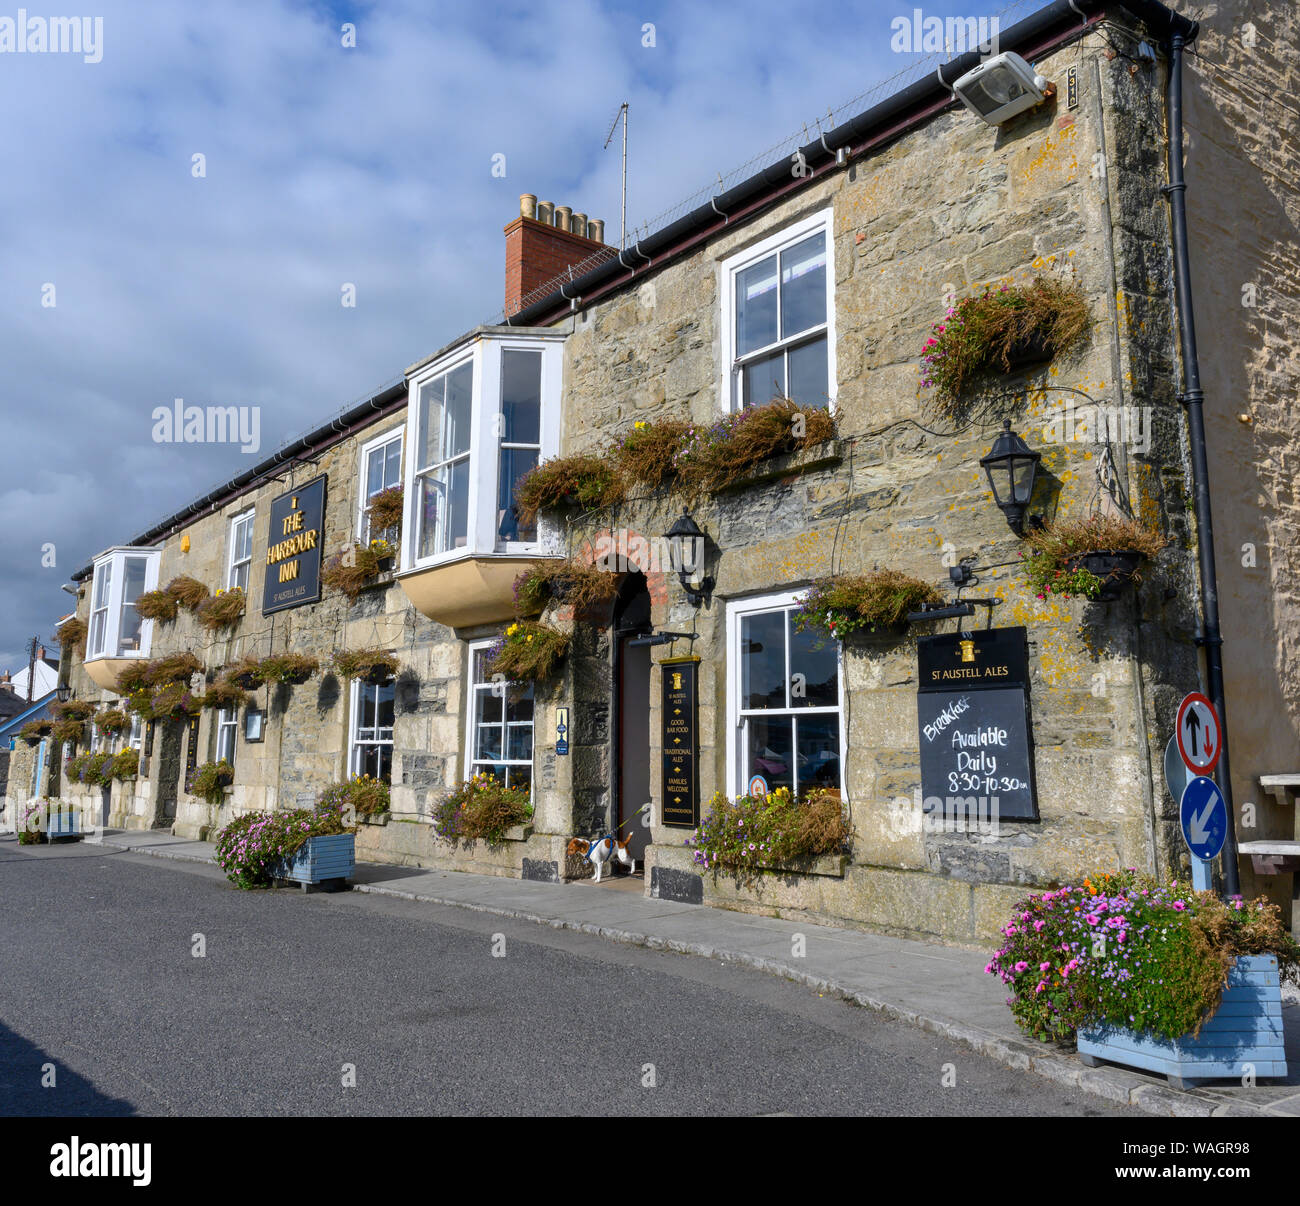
(479, 418)
(778, 319)
(784, 694)
(117, 630)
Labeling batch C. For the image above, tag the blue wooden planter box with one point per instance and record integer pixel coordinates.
(1245, 1029)
(63, 824)
(332, 856)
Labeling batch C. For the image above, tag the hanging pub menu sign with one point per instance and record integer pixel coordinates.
(973, 716)
(681, 801)
(293, 548)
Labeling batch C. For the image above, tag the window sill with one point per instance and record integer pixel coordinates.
(790, 464)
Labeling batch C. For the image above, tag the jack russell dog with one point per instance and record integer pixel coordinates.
(602, 850)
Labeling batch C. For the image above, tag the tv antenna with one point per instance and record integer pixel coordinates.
(622, 112)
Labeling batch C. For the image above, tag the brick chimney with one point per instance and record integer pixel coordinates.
(542, 243)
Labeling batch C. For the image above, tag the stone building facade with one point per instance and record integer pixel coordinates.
(924, 204)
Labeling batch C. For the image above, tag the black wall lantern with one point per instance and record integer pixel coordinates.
(1012, 469)
(63, 692)
(686, 546)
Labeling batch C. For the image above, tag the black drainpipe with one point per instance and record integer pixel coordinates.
(1192, 397)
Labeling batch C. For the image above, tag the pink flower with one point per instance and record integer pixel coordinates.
(1022, 966)
(1044, 966)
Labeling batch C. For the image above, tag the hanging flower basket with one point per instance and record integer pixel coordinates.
(35, 730)
(376, 666)
(294, 669)
(1097, 557)
(1116, 569)
(874, 604)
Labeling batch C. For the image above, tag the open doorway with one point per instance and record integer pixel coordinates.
(630, 770)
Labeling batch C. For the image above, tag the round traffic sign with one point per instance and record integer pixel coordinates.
(1177, 776)
(1198, 733)
(1204, 815)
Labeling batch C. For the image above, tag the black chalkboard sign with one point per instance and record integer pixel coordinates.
(973, 719)
(681, 801)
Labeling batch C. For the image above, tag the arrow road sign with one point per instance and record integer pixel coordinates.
(1198, 733)
(1205, 817)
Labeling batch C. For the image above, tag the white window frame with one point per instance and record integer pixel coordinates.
(474, 689)
(227, 726)
(355, 742)
(135, 735)
(363, 498)
(249, 515)
(737, 609)
(729, 268)
(115, 561)
(484, 354)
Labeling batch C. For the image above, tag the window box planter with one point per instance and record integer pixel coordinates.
(321, 859)
(247, 680)
(386, 564)
(1245, 1029)
(832, 866)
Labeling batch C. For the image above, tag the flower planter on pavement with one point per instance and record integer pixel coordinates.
(327, 858)
(63, 823)
(1246, 1029)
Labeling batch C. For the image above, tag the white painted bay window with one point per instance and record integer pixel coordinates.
(778, 319)
(500, 737)
(479, 418)
(784, 698)
(121, 576)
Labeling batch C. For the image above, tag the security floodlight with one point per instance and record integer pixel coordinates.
(1002, 87)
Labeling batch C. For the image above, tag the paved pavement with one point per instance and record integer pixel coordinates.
(940, 989)
(154, 988)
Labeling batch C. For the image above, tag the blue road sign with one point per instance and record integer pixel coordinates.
(1204, 816)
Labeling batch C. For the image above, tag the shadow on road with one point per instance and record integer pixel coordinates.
(23, 1068)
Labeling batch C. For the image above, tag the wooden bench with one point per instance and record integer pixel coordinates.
(1280, 856)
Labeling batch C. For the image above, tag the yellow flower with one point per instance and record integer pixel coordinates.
(639, 425)
(530, 638)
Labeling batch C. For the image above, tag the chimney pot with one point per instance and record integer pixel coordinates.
(563, 215)
(596, 230)
(527, 205)
(579, 225)
(546, 213)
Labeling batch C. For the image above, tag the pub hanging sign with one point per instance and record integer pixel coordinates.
(293, 548)
(973, 716)
(681, 799)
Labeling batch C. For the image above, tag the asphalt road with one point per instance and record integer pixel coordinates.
(98, 976)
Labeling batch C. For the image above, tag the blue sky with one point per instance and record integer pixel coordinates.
(326, 165)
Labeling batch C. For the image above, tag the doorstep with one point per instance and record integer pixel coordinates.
(943, 990)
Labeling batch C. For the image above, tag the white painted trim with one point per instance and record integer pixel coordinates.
(398, 433)
(116, 558)
(247, 513)
(736, 610)
(793, 233)
(485, 356)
